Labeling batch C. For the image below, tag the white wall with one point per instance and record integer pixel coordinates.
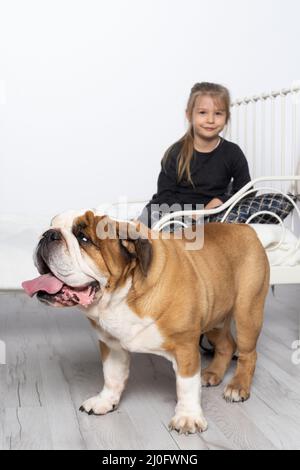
(93, 92)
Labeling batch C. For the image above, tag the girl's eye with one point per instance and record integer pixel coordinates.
(82, 238)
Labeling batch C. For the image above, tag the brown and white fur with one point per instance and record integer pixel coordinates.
(157, 297)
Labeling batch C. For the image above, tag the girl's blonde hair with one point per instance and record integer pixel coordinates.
(216, 92)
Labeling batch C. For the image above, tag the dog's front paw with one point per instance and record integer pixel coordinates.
(98, 406)
(188, 424)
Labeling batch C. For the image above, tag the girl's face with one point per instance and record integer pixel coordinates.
(208, 117)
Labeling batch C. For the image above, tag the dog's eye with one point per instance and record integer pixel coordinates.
(81, 237)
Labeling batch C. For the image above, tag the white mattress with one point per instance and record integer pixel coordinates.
(281, 245)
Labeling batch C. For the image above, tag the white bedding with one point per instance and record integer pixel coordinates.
(287, 253)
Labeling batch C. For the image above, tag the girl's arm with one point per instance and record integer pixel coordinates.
(239, 173)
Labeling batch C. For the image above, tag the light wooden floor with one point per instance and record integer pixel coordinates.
(53, 366)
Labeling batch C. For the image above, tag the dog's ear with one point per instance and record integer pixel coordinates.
(133, 239)
(135, 244)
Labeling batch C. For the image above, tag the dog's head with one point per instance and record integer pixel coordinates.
(83, 254)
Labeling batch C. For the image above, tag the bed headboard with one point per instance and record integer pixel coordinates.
(266, 126)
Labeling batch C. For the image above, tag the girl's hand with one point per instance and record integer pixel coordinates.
(213, 203)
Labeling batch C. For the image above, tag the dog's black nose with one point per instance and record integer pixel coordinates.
(52, 235)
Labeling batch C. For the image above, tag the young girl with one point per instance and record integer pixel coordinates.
(200, 166)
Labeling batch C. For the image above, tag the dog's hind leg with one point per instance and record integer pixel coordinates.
(225, 346)
(249, 319)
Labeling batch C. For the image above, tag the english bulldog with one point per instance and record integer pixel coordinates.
(147, 294)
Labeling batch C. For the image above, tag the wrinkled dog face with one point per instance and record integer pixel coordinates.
(81, 254)
(62, 253)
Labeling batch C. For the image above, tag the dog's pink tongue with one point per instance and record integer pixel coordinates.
(47, 283)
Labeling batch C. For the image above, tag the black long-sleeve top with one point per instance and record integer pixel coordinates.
(211, 173)
(216, 174)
